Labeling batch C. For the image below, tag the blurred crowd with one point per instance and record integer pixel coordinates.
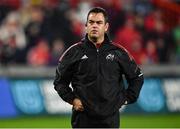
(37, 32)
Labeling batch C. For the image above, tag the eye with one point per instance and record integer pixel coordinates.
(99, 22)
(91, 22)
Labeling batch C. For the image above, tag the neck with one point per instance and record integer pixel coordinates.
(96, 40)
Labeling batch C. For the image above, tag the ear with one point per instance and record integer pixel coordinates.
(106, 27)
(86, 27)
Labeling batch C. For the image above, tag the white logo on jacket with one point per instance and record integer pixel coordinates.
(84, 57)
(110, 57)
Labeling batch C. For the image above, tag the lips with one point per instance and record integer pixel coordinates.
(94, 31)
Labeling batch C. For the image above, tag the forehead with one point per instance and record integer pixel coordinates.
(96, 17)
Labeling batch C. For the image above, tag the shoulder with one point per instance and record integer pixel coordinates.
(72, 50)
(119, 47)
(122, 51)
(74, 46)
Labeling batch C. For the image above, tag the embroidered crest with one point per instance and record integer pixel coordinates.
(110, 57)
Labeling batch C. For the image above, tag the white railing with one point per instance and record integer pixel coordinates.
(29, 71)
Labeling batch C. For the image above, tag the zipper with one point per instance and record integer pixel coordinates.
(97, 67)
(97, 58)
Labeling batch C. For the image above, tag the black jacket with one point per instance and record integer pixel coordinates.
(96, 76)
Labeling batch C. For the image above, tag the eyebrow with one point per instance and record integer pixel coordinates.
(100, 21)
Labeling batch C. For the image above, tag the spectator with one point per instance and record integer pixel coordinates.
(128, 34)
(39, 55)
(58, 48)
(156, 29)
(37, 27)
(151, 52)
(76, 24)
(138, 52)
(83, 8)
(13, 39)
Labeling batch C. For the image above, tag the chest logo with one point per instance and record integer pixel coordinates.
(110, 57)
(84, 57)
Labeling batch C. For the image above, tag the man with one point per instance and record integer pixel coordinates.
(95, 67)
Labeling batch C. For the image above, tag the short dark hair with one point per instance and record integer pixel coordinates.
(99, 10)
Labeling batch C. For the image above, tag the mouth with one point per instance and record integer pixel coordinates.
(94, 31)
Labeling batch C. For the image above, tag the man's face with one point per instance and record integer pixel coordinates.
(96, 26)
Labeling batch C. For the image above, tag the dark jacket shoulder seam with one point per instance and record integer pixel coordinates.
(123, 49)
(72, 46)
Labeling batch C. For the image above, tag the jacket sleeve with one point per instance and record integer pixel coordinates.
(133, 75)
(64, 73)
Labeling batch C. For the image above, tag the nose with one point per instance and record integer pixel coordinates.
(95, 25)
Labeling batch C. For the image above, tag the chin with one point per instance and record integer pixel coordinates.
(94, 36)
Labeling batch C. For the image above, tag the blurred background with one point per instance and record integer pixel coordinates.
(34, 34)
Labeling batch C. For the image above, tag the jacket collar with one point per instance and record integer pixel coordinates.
(91, 45)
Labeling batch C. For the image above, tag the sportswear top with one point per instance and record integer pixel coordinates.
(96, 75)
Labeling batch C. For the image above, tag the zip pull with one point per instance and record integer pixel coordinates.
(97, 50)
